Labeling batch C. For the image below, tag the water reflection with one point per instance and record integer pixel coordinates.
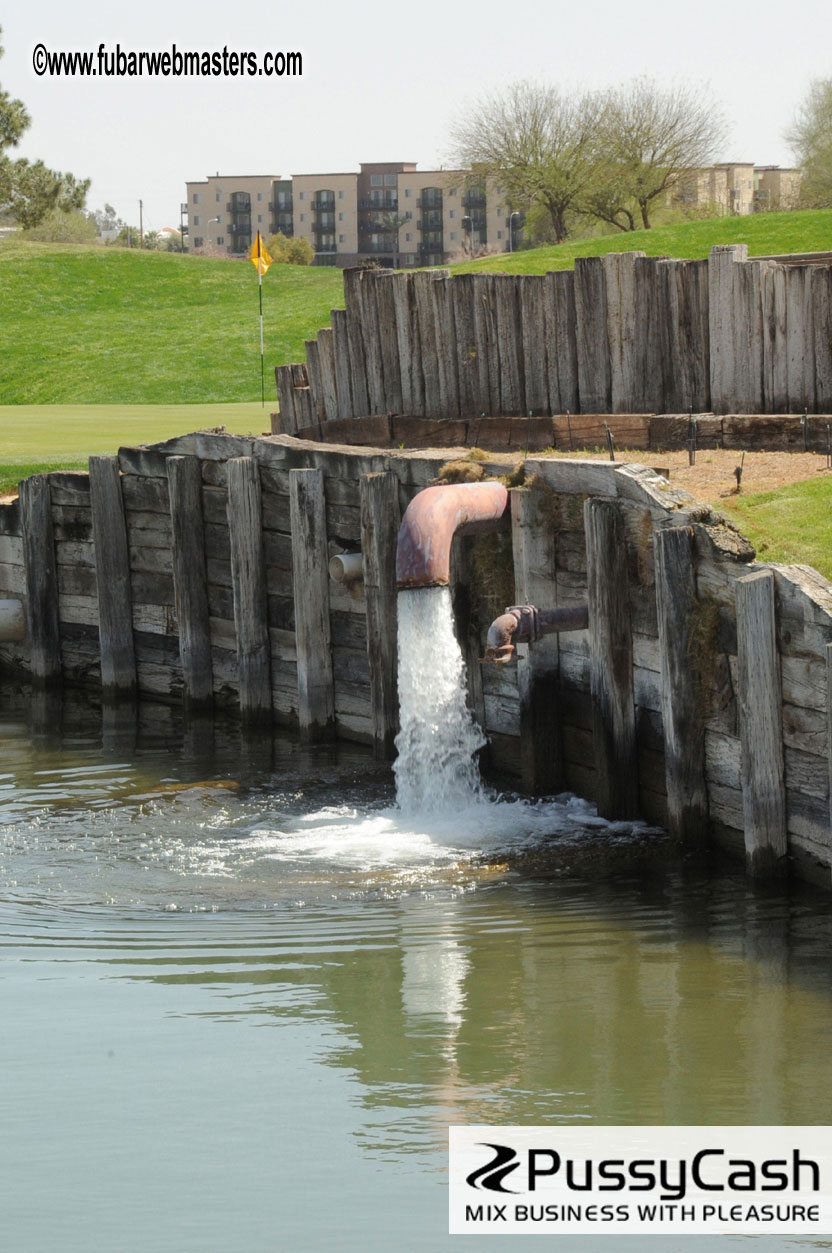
(383, 1003)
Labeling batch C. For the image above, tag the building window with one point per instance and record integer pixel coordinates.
(219, 219)
(390, 180)
(452, 212)
(453, 234)
(259, 195)
(407, 193)
(220, 240)
(452, 192)
(499, 234)
(408, 237)
(197, 197)
(376, 180)
(408, 215)
(340, 195)
(198, 241)
(303, 217)
(196, 220)
(219, 197)
(301, 195)
(342, 239)
(340, 217)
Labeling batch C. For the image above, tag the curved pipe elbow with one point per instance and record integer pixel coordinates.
(433, 518)
(523, 624)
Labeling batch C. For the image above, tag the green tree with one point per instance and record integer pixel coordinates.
(810, 137)
(28, 190)
(539, 142)
(647, 140)
(290, 249)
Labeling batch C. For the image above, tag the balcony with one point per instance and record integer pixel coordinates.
(384, 200)
(324, 223)
(380, 245)
(239, 204)
(323, 204)
(431, 221)
(283, 228)
(325, 245)
(473, 200)
(283, 204)
(241, 223)
(426, 247)
(429, 202)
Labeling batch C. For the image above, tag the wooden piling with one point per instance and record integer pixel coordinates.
(593, 354)
(761, 726)
(248, 582)
(380, 517)
(682, 686)
(388, 334)
(532, 299)
(611, 661)
(310, 567)
(725, 322)
(41, 580)
(190, 581)
(622, 313)
(326, 367)
(541, 747)
(112, 573)
(343, 372)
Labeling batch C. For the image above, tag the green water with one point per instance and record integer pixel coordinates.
(243, 1018)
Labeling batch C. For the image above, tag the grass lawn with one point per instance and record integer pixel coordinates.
(94, 325)
(791, 524)
(807, 230)
(34, 438)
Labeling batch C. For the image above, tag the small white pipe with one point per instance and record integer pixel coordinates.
(12, 621)
(346, 568)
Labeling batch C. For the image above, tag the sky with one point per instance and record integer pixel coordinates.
(382, 81)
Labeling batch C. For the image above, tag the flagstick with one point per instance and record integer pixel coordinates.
(260, 287)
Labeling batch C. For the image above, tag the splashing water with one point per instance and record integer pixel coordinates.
(435, 770)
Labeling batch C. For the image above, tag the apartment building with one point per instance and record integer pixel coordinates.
(388, 212)
(738, 188)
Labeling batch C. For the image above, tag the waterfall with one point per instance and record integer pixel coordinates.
(436, 770)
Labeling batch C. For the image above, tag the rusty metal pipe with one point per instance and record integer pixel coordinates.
(523, 624)
(433, 518)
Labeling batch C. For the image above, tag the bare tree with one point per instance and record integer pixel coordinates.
(648, 139)
(810, 137)
(537, 141)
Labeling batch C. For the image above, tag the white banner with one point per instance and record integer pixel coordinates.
(591, 1180)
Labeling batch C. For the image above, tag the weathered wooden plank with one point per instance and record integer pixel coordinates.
(286, 399)
(561, 344)
(310, 566)
(112, 572)
(531, 290)
(446, 356)
(761, 730)
(313, 373)
(355, 344)
(485, 333)
(380, 516)
(681, 671)
(462, 298)
(370, 333)
(341, 363)
(775, 340)
(592, 346)
(748, 333)
(423, 281)
(622, 312)
(326, 368)
(41, 580)
(407, 334)
(533, 542)
(611, 662)
(388, 336)
(190, 579)
(248, 580)
(800, 338)
(822, 326)
(725, 317)
(509, 345)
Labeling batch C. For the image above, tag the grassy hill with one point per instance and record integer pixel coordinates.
(91, 325)
(807, 230)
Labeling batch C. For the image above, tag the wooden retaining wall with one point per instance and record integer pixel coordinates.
(624, 333)
(704, 670)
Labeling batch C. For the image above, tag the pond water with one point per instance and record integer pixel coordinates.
(243, 996)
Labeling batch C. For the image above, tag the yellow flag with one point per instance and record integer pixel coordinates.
(258, 256)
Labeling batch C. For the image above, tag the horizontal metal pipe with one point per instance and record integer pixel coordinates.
(433, 518)
(523, 624)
